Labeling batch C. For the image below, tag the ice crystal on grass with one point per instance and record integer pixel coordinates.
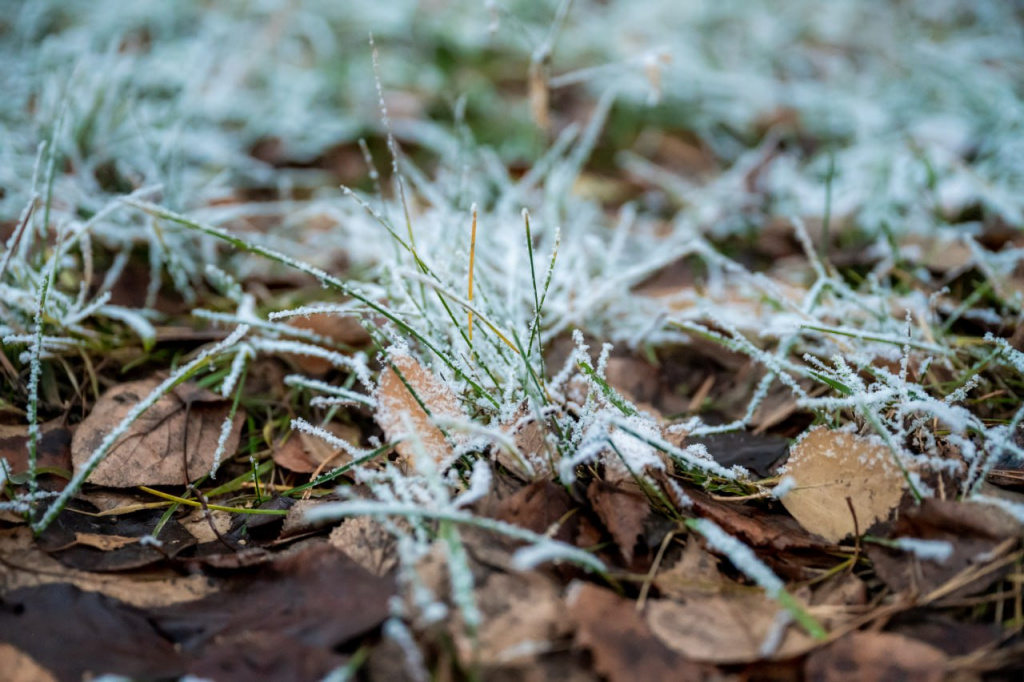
(938, 551)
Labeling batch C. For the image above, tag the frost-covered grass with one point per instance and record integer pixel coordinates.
(883, 141)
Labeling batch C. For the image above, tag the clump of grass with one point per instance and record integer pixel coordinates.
(143, 160)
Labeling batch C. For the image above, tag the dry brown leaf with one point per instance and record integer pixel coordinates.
(20, 667)
(523, 615)
(725, 628)
(304, 453)
(623, 513)
(25, 565)
(694, 572)
(620, 642)
(399, 411)
(754, 525)
(342, 329)
(974, 531)
(52, 450)
(876, 656)
(198, 524)
(103, 542)
(152, 450)
(831, 466)
(367, 542)
(529, 437)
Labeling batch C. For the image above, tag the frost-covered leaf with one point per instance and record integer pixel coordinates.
(831, 466)
(152, 450)
(406, 387)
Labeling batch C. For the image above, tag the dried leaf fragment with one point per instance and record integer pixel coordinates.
(403, 385)
(831, 466)
(20, 667)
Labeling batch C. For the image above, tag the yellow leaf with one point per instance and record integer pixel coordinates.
(831, 466)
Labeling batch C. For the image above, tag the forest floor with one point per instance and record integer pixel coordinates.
(541, 341)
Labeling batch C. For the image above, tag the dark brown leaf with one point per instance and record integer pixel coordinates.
(622, 646)
(317, 596)
(623, 512)
(757, 453)
(64, 540)
(537, 507)
(75, 634)
(264, 656)
(53, 451)
(974, 530)
(753, 525)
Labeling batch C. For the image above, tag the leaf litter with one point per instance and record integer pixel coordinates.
(481, 486)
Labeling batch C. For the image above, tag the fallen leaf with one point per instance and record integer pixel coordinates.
(973, 531)
(264, 655)
(317, 595)
(694, 572)
(399, 410)
(305, 453)
(23, 564)
(529, 437)
(951, 637)
(538, 507)
(53, 451)
(754, 452)
(754, 525)
(103, 542)
(623, 513)
(620, 642)
(876, 656)
(637, 380)
(523, 615)
(831, 466)
(20, 667)
(367, 542)
(79, 635)
(343, 330)
(197, 523)
(152, 449)
(111, 543)
(726, 628)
